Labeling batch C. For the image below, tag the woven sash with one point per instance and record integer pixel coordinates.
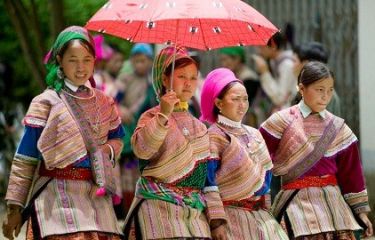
(101, 165)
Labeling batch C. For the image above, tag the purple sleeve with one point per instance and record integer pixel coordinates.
(271, 142)
(350, 174)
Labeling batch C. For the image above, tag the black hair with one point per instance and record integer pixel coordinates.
(223, 92)
(277, 40)
(84, 43)
(311, 72)
(314, 71)
(312, 51)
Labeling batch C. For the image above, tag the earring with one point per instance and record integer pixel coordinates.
(60, 73)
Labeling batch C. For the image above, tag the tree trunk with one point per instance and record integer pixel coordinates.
(18, 15)
(57, 16)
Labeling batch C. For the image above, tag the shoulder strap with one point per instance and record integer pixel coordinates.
(280, 214)
(320, 148)
(26, 212)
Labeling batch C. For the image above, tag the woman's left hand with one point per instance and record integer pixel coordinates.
(367, 222)
(105, 149)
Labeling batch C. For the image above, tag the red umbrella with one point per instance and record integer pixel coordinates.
(200, 24)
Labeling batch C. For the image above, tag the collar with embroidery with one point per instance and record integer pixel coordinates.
(227, 122)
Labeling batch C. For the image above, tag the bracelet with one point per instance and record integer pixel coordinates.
(112, 158)
(163, 116)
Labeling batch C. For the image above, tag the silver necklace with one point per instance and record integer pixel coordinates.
(96, 125)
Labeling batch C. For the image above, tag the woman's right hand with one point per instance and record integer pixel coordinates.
(219, 233)
(167, 103)
(12, 222)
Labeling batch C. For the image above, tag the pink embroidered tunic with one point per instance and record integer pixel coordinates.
(243, 178)
(291, 134)
(53, 138)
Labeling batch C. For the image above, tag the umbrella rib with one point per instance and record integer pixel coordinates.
(204, 39)
(136, 33)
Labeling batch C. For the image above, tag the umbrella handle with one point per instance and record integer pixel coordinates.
(172, 73)
(174, 58)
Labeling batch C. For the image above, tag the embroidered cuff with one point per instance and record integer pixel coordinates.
(34, 122)
(215, 208)
(268, 201)
(358, 201)
(210, 189)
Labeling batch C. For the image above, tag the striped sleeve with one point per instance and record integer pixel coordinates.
(276, 124)
(350, 175)
(215, 207)
(23, 166)
(149, 134)
(38, 112)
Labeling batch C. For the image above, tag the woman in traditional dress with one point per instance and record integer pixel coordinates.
(241, 160)
(72, 137)
(316, 154)
(173, 147)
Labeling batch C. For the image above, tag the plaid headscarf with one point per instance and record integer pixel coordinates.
(68, 34)
(161, 63)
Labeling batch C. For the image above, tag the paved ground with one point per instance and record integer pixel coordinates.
(23, 231)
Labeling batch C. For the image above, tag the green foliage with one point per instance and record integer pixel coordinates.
(20, 85)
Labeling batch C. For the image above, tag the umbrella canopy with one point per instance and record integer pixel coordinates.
(200, 24)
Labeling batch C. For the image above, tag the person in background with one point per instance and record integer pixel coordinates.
(111, 67)
(276, 79)
(241, 160)
(173, 147)
(314, 51)
(72, 132)
(234, 58)
(103, 53)
(316, 154)
(132, 99)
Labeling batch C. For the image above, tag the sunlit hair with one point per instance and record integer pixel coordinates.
(314, 71)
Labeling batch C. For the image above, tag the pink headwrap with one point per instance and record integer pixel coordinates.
(102, 50)
(215, 82)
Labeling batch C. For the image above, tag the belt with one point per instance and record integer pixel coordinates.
(248, 204)
(311, 181)
(69, 173)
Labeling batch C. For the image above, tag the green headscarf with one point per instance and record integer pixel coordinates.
(161, 63)
(234, 51)
(68, 34)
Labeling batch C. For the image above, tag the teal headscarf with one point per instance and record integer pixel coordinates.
(68, 34)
